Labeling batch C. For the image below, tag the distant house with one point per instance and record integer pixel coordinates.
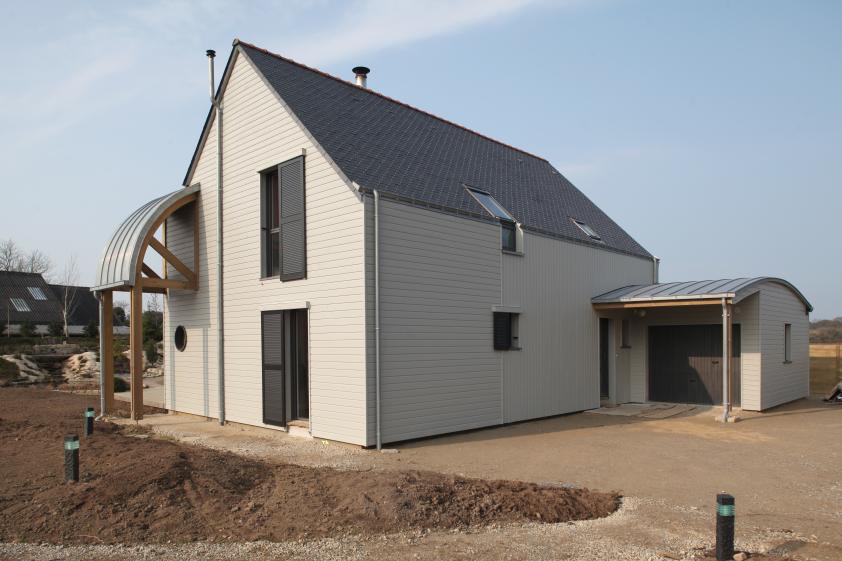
(384, 274)
(26, 297)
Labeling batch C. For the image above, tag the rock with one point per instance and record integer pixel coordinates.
(81, 367)
(741, 556)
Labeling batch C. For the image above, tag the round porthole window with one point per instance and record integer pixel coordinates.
(180, 337)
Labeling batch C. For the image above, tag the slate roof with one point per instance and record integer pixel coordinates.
(383, 144)
(85, 305)
(694, 290)
(15, 285)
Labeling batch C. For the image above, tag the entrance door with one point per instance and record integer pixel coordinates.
(685, 364)
(285, 366)
(604, 358)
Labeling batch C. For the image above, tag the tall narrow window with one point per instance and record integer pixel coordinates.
(271, 228)
(283, 226)
(787, 342)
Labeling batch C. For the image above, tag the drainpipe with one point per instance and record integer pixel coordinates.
(377, 311)
(101, 356)
(220, 323)
(725, 358)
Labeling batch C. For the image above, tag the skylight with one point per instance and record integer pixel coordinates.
(590, 232)
(36, 292)
(490, 204)
(20, 304)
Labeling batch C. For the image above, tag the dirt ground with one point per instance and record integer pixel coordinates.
(149, 490)
(782, 466)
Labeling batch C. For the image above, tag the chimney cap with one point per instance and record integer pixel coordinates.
(361, 70)
(211, 53)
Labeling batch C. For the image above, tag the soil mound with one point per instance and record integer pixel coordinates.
(135, 488)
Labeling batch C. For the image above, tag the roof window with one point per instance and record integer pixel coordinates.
(490, 204)
(36, 292)
(20, 304)
(590, 232)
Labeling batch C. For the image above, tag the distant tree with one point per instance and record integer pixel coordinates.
(153, 326)
(92, 330)
(13, 258)
(120, 317)
(69, 302)
(56, 329)
(27, 328)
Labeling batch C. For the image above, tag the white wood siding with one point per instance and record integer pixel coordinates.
(439, 277)
(783, 382)
(259, 133)
(557, 370)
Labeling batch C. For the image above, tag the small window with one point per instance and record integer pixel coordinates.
(180, 338)
(590, 232)
(20, 304)
(36, 292)
(787, 342)
(509, 241)
(506, 331)
(625, 340)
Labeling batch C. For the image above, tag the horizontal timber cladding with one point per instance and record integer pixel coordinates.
(557, 370)
(260, 133)
(783, 381)
(439, 278)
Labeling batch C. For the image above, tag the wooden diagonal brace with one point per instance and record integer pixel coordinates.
(174, 261)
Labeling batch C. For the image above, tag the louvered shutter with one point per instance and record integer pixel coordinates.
(274, 382)
(502, 331)
(293, 246)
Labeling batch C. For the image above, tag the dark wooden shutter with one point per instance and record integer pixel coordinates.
(502, 331)
(274, 382)
(293, 246)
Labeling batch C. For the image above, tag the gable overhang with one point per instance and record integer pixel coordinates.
(236, 52)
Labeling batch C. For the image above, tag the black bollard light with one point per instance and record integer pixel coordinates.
(71, 457)
(724, 527)
(89, 421)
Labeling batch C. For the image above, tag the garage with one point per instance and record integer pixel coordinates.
(685, 364)
(683, 342)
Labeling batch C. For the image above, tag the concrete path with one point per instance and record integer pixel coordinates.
(152, 395)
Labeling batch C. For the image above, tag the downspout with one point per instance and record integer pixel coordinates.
(101, 356)
(377, 312)
(725, 358)
(220, 323)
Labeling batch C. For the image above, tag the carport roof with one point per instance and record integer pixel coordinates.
(734, 289)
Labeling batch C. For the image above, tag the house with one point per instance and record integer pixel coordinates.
(26, 297)
(345, 264)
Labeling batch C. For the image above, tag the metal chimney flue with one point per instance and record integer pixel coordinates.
(361, 72)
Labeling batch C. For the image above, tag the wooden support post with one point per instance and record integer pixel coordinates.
(136, 349)
(106, 361)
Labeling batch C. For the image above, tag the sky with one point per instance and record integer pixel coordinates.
(711, 131)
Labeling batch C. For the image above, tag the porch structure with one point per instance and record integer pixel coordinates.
(123, 269)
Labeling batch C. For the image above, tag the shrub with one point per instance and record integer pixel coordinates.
(151, 350)
(56, 329)
(27, 328)
(92, 330)
(121, 385)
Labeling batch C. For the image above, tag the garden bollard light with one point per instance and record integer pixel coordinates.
(89, 421)
(71, 457)
(724, 527)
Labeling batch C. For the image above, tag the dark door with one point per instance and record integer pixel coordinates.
(285, 366)
(685, 364)
(274, 380)
(604, 357)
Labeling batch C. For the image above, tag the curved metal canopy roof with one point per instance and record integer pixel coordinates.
(119, 262)
(736, 289)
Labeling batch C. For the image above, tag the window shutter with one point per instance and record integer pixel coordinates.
(293, 246)
(502, 331)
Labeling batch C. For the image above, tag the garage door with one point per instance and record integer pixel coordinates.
(685, 364)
